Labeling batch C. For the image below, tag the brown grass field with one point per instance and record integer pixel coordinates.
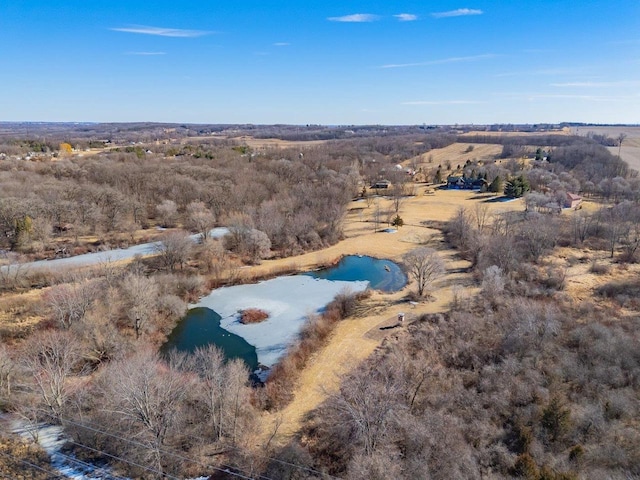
(456, 153)
(275, 143)
(630, 151)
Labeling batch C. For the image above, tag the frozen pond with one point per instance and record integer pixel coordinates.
(114, 255)
(288, 301)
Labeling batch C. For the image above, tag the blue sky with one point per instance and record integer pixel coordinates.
(349, 62)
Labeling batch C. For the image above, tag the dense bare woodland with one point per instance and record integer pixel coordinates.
(522, 381)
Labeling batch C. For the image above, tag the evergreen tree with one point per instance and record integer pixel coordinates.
(397, 221)
(516, 187)
(496, 185)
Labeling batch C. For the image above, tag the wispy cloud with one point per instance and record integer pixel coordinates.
(160, 31)
(460, 12)
(555, 96)
(444, 102)
(548, 71)
(281, 44)
(442, 61)
(406, 17)
(355, 18)
(146, 54)
(622, 83)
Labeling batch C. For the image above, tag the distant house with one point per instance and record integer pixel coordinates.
(572, 200)
(381, 184)
(465, 183)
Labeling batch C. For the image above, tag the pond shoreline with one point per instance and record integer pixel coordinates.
(289, 300)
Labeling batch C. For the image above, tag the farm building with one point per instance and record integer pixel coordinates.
(465, 183)
(381, 184)
(572, 200)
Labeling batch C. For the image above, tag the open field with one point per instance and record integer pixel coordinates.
(455, 153)
(630, 151)
(564, 131)
(265, 143)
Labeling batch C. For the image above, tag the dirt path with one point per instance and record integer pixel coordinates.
(355, 339)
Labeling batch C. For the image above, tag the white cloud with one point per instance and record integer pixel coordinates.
(443, 102)
(406, 17)
(162, 32)
(441, 61)
(460, 12)
(623, 83)
(355, 18)
(145, 53)
(588, 98)
(549, 71)
(281, 44)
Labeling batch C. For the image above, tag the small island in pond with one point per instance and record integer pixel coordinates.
(252, 315)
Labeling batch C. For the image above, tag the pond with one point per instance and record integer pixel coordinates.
(201, 327)
(382, 275)
(288, 300)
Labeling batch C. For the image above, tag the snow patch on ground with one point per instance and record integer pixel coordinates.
(287, 300)
(52, 438)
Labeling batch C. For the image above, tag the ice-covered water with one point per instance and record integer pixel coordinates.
(106, 256)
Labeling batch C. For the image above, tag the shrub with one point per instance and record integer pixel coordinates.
(576, 453)
(526, 467)
(252, 315)
(598, 268)
(556, 419)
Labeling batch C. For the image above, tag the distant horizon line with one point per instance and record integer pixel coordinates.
(308, 125)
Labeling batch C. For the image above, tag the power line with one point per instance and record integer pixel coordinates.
(32, 465)
(284, 462)
(231, 447)
(133, 442)
(115, 457)
(89, 426)
(91, 466)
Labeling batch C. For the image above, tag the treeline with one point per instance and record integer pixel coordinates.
(297, 203)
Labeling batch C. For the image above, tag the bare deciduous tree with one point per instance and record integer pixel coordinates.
(7, 371)
(620, 139)
(69, 302)
(481, 216)
(143, 398)
(140, 298)
(50, 358)
(167, 212)
(174, 249)
(425, 266)
(200, 219)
